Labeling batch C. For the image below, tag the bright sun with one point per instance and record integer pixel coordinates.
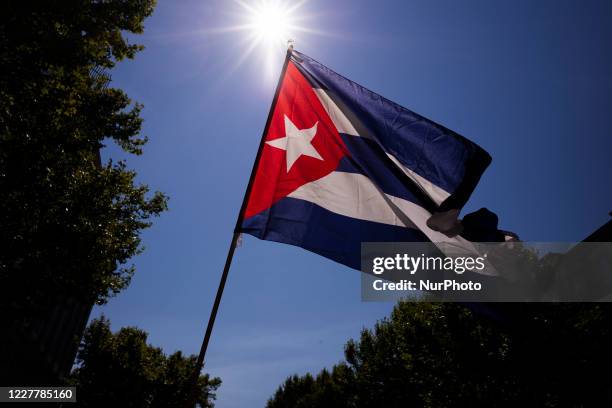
(271, 23)
(269, 27)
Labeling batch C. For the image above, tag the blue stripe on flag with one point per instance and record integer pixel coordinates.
(337, 237)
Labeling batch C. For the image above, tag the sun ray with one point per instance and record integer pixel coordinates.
(260, 29)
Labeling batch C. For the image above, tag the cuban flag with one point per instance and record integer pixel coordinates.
(341, 165)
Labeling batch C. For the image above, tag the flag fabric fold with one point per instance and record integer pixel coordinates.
(342, 165)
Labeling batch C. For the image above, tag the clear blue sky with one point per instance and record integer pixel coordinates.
(527, 80)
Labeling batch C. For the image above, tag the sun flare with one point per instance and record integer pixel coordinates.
(265, 29)
(271, 23)
(270, 27)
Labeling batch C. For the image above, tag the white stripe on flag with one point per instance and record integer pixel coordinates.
(354, 195)
(437, 194)
(343, 125)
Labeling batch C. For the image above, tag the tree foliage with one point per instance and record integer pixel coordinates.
(446, 355)
(68, 223)
(120, 369)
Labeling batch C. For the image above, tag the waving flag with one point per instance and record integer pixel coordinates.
(341, 165)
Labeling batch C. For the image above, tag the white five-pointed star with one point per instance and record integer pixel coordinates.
(296, 143)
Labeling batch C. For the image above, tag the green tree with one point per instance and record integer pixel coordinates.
(120, 369)
(327, 389)
(68, 223)
(446, 355)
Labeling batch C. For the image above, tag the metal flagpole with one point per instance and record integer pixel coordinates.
(230, 253)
